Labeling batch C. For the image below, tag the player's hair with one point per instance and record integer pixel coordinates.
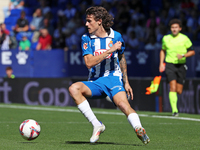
(9, 68)
(101, 13)
(175, 21)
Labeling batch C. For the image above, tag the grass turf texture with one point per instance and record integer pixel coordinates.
(61, 130)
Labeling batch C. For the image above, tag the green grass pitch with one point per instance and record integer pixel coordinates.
(65, 128)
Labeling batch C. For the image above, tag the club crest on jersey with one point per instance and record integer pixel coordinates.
(85, 46)
(110, 44)
(101, 51)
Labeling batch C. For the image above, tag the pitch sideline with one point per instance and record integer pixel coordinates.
(96, 112)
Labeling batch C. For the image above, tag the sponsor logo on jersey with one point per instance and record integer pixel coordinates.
(101, 51)
(110, 44)
(85, 46)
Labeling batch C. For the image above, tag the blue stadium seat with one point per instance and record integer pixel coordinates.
(33, 45)
(29, 11)
(15, 12)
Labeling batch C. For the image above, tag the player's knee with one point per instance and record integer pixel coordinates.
(73, 89)
(173, 89)
(123, 106)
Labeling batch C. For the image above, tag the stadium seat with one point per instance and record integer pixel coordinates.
(28, 11)
(15, 12)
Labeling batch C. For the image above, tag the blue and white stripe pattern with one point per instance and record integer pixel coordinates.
(94, 45)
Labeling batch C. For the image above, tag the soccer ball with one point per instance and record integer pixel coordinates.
(29, 129)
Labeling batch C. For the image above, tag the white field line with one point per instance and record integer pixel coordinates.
(96, 112)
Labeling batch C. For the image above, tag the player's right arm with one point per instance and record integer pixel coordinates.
(91, 60)
(162, 56)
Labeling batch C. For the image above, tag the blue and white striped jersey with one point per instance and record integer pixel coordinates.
(94, 45)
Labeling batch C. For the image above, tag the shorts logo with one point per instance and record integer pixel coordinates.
(110, 44)
(85, 46)
(101, 51)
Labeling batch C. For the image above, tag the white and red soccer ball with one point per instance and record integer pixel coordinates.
(29, 129)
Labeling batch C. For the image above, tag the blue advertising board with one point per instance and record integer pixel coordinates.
(59, 63)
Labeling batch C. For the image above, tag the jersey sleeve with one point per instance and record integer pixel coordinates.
(187, 43)
(85, 45)
(123, 45)
(163, 43)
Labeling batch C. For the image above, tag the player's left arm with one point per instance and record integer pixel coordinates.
(190, 49)
(123, 66)
(190, 52)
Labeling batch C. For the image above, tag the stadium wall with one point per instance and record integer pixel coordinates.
(54, 92)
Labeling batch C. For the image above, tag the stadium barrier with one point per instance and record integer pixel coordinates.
(58, 63)
(54, 92)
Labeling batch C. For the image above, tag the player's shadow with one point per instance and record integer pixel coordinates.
(99, 143)
(29, 142)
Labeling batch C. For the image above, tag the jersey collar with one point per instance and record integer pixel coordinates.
(110, 34)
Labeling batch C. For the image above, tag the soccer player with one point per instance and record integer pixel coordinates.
(103, 53)
(176, 47)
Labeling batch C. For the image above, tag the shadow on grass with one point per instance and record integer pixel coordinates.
(29, 142)
(99, 143)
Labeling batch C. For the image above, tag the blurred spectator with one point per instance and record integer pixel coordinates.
(123, 16)
(152, 44)
(24, 44)
(192, 23)
(137, 14)
(36, 23)
(151, 31)
(45, 40)
(47, 24)
(187, 5)
(169, 9)
(44, 7)
(80, 28)
(4, 41)
(22, 23)
(69, 11)
(9, 73)
(133, 42)
(4, 30)
(139, 31)
(133, 4)
(152, 17)
(72, 41)
(161, 30)
(13, 4)
(182, 17)
(164, 17)
(59, 38)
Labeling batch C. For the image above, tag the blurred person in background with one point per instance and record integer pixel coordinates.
(36, 24)
(4, 41)
(24, 44)
(13, 4)
(47, 25)
(70, 11)
(176, 47)
(22, 24)
(9, 73)
(133, 42)
(45, 40)
(152, 44)
(4, 30)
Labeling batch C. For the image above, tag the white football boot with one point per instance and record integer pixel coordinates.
(141, 134)
(97, 130)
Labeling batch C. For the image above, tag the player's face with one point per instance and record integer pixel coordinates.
(175, 29)
(91, 24)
